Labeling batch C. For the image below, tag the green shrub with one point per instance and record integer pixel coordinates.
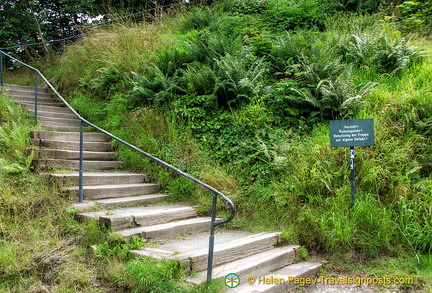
(293, 15)
(200, 19)
(246, 7)
(412, 16)
(279, 15)
(109, 81)
(368, 6)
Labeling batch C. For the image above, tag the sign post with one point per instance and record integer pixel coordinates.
(357, 132)
(352, 167)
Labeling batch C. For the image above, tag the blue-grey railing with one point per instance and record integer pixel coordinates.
(84, 122)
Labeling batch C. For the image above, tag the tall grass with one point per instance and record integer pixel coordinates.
(110, 57)
(33, 217)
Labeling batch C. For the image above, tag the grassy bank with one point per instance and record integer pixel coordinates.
(244, 104)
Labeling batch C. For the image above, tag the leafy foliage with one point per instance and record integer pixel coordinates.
(368, 6)
(413, 16)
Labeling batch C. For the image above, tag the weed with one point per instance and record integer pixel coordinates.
(117, 248)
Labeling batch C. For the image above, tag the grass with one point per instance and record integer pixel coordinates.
(218, 119)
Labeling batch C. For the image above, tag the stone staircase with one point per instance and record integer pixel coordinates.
(128, 204)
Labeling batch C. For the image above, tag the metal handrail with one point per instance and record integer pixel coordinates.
(215, 192)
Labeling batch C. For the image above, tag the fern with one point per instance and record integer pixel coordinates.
(379, 51)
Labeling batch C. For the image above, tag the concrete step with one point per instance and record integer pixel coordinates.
(68, 136)
(192, 252)
(26, 101)
(52, 109)
(23, 88)
(181, 245)
(62, 128)
(124, 218)
(74, 164)
(285, 279)
(258, 264)
(115, 190)
(30, 95)
(227, 252)
(71, 145)
(169, 230)
(53, 122)
(99, 178)
(121, 202)
(55, 114)
(74, 155)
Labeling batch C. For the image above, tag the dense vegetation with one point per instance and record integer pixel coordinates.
(240, 94)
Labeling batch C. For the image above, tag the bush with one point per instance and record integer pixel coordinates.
(368, 6)
(412, 16)
(294, 15)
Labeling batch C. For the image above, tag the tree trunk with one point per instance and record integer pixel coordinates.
(39, 29)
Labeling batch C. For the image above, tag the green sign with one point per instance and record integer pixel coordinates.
(357, 132)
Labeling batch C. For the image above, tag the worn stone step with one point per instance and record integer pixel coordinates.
(122, 201)
(115, 190)
(124, 218)
(74, 155)
(53, 126)
(50, 121)
(52, 109)
(65, 128)
(30, 100)
(71, 145)
(74, 164)
(69, 136)
(55, 114)
(23, 88)
(28, 94)
(230, 251)
(253, 265)
(181, 245)
(26, 101)
(99, 178)
(169, 230)
(284, 279)
(193, 255)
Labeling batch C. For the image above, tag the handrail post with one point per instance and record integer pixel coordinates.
(63, 46)
(1, 72)
(80, 180)
(211, 240)
(36, 97)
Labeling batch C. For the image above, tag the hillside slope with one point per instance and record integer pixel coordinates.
(245, 105)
